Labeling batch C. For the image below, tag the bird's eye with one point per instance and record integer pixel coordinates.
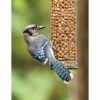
(33, 27)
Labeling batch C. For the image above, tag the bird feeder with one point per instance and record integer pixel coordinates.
(64, 31)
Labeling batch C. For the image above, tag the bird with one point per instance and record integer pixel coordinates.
(40, 48)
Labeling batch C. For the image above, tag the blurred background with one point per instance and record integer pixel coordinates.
(30, 79)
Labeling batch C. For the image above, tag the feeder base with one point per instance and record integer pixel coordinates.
(71, 65)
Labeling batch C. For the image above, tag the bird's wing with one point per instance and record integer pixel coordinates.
(49, 53)
(42, 50)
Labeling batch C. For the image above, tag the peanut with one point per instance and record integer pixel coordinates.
(64, 29)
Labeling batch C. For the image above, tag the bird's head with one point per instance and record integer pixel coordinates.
(32, 29)
(30, 32)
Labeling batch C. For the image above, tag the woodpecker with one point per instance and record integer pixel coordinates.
(40, 48)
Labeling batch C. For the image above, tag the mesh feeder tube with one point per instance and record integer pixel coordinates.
(64, 31)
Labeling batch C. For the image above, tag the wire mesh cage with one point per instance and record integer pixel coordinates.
(64, 31)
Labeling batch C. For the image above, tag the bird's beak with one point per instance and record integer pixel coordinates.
(40, 27)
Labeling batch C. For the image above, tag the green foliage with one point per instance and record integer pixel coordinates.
(30, 79)
(32, 86)
(37, 85)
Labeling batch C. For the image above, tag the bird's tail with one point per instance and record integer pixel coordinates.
(61, 70)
